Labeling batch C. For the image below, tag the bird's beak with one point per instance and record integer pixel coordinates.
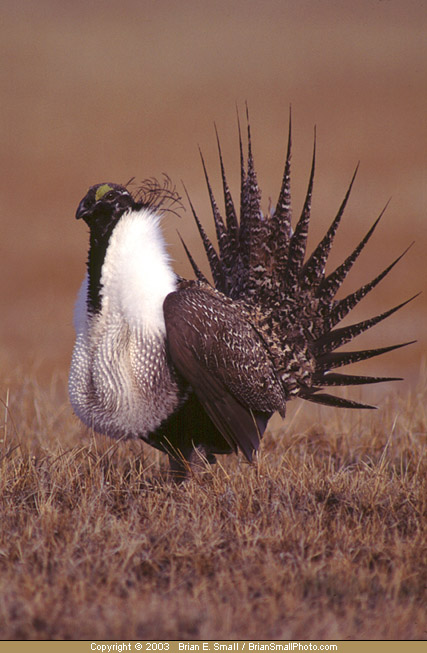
(82, 210)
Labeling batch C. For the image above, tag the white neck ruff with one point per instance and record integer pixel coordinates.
(136, 274)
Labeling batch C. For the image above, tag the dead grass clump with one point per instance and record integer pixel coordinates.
(322, 538)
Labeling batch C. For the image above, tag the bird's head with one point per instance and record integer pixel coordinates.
(104, 204)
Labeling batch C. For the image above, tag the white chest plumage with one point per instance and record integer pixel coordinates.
(120, 382)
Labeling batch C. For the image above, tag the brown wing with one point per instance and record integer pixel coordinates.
(222, 357)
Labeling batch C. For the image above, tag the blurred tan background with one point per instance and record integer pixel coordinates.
(104, 91)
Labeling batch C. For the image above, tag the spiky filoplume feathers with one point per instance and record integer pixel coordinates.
(184, 364)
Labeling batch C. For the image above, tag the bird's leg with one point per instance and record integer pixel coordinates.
(196, 460)
(199, 456)
(179, 468)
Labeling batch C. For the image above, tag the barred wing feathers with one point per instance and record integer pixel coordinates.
(220, 354)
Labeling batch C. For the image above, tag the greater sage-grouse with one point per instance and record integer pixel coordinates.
(187, 365)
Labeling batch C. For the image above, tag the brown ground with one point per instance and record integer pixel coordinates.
(323, 538)
(112, 90)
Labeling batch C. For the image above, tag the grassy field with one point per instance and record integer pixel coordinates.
(321, 538)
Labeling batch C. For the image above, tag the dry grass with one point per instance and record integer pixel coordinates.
(323, 538)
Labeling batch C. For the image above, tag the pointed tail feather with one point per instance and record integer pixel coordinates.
(330, 400)
(215, 263)
(332, 360)
(251, 224)
(197, 271)
(281, 218)
(221, 233)
(336, 379)
(330, 286)
(314, 268)
(243, 199)
(344, 306)
(230, 212)
(298, 241)
(333, 339)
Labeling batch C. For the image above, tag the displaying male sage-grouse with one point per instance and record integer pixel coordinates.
(185, 365)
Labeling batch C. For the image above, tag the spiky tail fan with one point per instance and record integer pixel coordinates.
(261, 263)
